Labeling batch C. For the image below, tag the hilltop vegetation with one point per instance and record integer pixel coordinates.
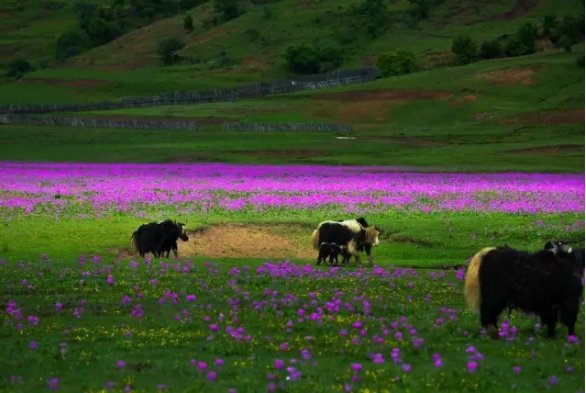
(230, 43)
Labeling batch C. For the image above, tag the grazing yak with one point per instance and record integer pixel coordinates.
(159, 238)
(332, 250)
(547, 283)
(353, 234)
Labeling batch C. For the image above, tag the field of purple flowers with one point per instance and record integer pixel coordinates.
(184, 325)
(102, 189)
(120, 324)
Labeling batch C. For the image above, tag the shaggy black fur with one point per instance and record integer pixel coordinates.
(158, 238)
(547, 283)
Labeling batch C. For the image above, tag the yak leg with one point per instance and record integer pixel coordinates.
(175, 250)
(569, 314)
(549, 317)
(367, 249)
(489, 312)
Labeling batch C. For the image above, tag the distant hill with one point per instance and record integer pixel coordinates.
(249, 47)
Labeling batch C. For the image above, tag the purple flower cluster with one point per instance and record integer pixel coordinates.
(105, 188)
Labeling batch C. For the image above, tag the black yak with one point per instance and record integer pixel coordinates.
(159, 238)
(349, 233)
(547, 283)
(332, 250)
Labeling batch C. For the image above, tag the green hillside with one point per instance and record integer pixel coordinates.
(250, 47)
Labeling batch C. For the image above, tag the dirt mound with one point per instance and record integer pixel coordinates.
(250, 241)
(510, 76)
(550, 149)
(564, 116)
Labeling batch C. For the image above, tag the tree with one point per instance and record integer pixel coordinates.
(227, 8)
(101, 31)
(396, 63)
(465, 49)
(17, 68)
(527, 34)
(305, 59)
(188, 22)
(490, 49)
(168, 48)
(71, 43)
(549, 25)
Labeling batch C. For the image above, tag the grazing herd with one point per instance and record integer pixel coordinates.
(548, 282)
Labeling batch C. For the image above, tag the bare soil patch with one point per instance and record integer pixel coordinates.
(563, 116)
(523, 76)
(369, 105)
(460, 101)
(520, 8)
(411, 240)
(248, 241)
(556, 149)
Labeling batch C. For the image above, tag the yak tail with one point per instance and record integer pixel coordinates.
(315, 239)
(133, 242)
(472, 283)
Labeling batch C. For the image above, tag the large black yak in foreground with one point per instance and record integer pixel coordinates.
(158, 238)
(547, 283)
(354, 235)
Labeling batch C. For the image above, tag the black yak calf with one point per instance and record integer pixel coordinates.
(332, 250)
(159, 238)
(547, 283)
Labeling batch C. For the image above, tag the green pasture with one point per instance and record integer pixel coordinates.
(409, 238)
(503, 152)
(162, 342)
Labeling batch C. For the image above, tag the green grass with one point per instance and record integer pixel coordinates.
(428, 239)
(82, 343)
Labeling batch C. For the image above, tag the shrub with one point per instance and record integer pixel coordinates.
(304, 59)
(168, 48)
(515, 47)
(490, 49)
(100, 31)
(396, 63)
(71, 43)
(17, 68)
(548, 25)
(527, 34)
(465, 49)
(188, 22)
(227, 8)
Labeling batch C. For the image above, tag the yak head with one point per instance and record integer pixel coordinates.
(182, 233)
(570, 258)
(371, 234)
(557, 247)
